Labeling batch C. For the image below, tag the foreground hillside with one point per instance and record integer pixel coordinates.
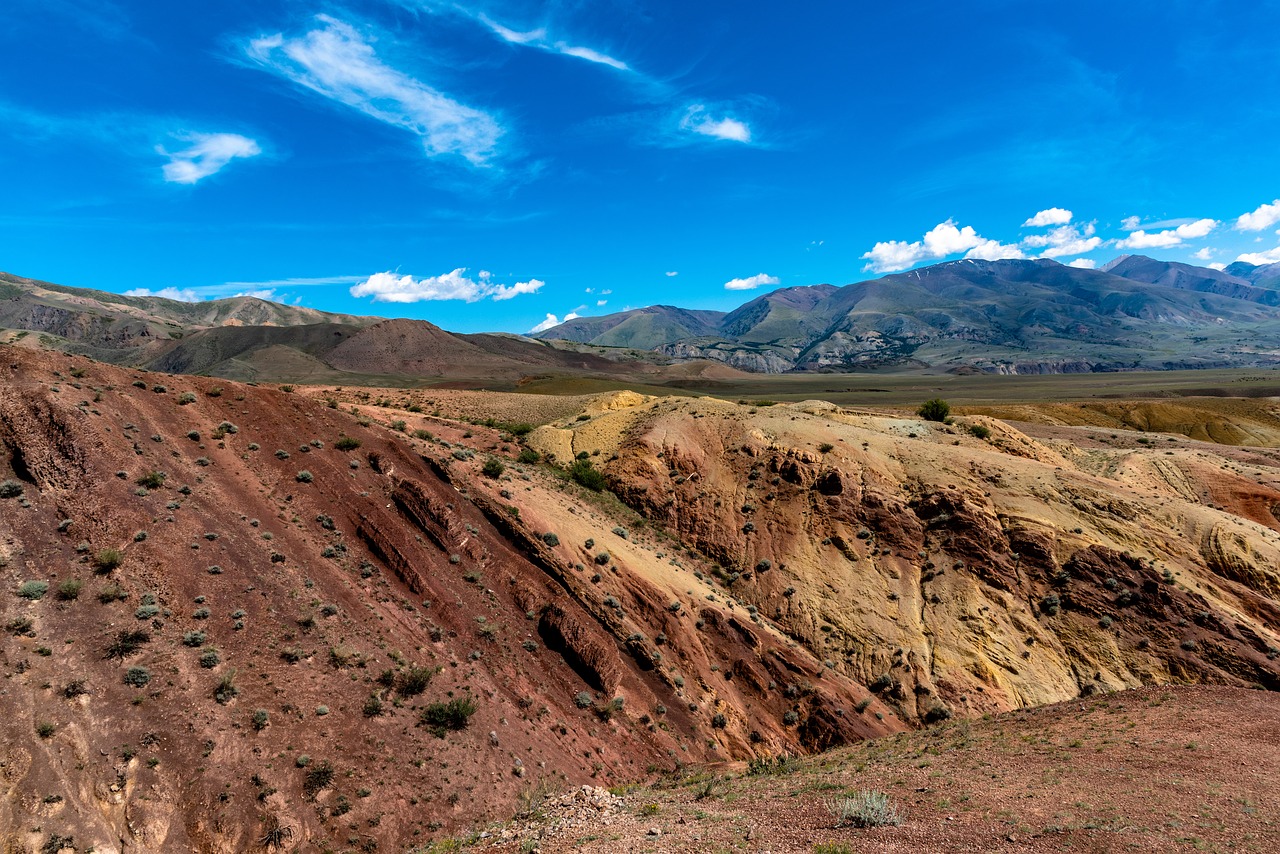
(236, 616)
(1156, 769)
(233, 615)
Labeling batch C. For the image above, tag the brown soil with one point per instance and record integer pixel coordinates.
(1153, 769)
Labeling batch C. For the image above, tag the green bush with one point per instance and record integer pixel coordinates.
(980, 431)
(453, 715)
(127, 643)
(493, 468)
(319, 777)
(936, 409)
(10, 489)
(226, 691)
(108, 559)
(414, 681)
(260, 719)
(305, 476)
(585, 474)
(152, 479)
(33, 590)
(528, 456)
(137, 677)
(347, 443)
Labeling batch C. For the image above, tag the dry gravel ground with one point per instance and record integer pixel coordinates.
(1155, 769)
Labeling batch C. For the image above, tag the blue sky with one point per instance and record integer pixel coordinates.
(486, 165)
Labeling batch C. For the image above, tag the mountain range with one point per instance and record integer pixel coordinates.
(1010, 317)
(1014, 316)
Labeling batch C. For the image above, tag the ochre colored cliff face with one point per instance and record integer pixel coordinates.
(959, 575)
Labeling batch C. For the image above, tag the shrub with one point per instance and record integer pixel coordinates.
(186, 397)
(602, 558)
(719, 721)
(414, 681)
(620, 531)
(493, 468)
(584, 474)
(373, 705)
(45, 729)
(127, 643)
(226, 691)
(528, 456)
(193, 639)
(551, 539)
(305, 476)
(210, 659)
(865, 809)
(146, 612)
(347, 443)
(1050, 604)
(108, 559)
(292, 654)
(137, 677)
(112, 593)
(399, 426)
(260, 719)
(980, 431)
(10, 489)
(152, 479)
(319, 777)
(936, 409)
(583, 700)
(826, 447)
(453, 715)
(282, 454)
(33, 590)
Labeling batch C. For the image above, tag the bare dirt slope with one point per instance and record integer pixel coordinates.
(1148, 770)
(223, 629)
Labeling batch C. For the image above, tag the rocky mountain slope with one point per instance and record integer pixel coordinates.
(234, 617)
(996, 316)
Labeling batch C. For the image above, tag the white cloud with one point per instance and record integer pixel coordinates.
(1049, 216)
(1141, 239)
(388, 287)
(1131, 223)
(264, 293)
(698, 120)
(1264, 217)
(673, 273)
(1083, 263)
(1258, 259)
(1065, 240)
(336, 61)
(179, 294)
(751, 282)
(301, 281)
(550, 321)
(206, 155)
(600, 303)
(940, 241)
(1204, 254)
(538, 38)
(591, 55)
(994, 250)
(607, 291)
(1217, 266)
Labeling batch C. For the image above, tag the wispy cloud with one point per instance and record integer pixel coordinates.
(539, 38)
(298, 282)
(1083, 263)
(751, 282)
(206, 155)
(179, 294)
(1142, 239)
(337, 62)
(1265, 216)
(671, 273)
(698, 120)
(454, 285)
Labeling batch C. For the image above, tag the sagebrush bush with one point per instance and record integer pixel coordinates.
(10, 488)
(865, 809)
(453, 715)
(33, 590)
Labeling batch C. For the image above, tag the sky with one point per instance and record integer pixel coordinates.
(499, 166)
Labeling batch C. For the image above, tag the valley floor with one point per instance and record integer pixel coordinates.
(1154, 769)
